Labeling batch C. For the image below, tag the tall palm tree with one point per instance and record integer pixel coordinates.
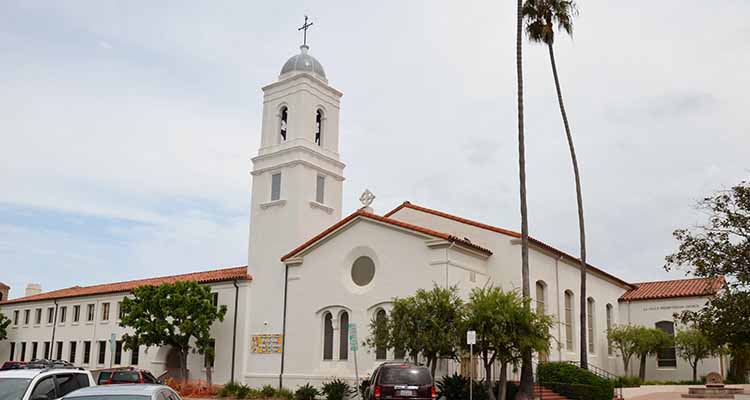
(527, 374)
(541, 17)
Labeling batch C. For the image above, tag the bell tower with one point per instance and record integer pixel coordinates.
(297, 181)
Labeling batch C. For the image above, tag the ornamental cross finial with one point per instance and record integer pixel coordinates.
(366, 198)
(304, 28)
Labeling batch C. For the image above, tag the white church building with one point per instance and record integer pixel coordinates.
(311, 272)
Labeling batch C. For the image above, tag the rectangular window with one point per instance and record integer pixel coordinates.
(73, 346)
(102, 351)
(120, 313)
(666, 357)
(23, 351)
(135, 355)
(63, 314)
(38, 316)
(569, 321)
(59, 346)
(320, 189)
(275, 187)
(47, 349)
(51, 315)
(609, 328)
(105, 311)
(118, 352)
(26, 314)
(12, 351)
(76, 313)
(208, 361)
(34, 350)
(86, 352)
(90, 312)
(590, 323)
(15, 317)
(215, 299)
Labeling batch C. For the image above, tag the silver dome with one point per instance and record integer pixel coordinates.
(303, 62)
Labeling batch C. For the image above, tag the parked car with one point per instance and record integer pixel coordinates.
(400, 381)
(125, 375)
(12, 365)
(129, 392)
(42, 383)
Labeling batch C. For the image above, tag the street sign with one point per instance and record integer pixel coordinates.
(353, 346)
(471, 337)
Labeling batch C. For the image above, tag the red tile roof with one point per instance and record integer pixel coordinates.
(217, 275)
(364, 214)
(507, 232)
(675, 288)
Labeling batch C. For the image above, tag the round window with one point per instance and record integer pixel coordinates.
(363, 270)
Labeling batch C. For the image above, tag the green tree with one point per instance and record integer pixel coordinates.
(4, 322)
(527, 374)
(505, 327)
(649, 341)
(720, 249)
(425, 324)
(542, 16)
(693, 346)
(171, 314)
(623, 339)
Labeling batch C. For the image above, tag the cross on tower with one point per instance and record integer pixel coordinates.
(304, 27)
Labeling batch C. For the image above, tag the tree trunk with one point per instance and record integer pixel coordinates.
(209, 378)
(183, 365)
(642, 371)
(503, 381)
(579, 199)
(695, 371)
(433, 368)
(488, 380)
(626, 363)
(527, 374)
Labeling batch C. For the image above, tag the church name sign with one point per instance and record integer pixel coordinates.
(672, 307)
(267, 343)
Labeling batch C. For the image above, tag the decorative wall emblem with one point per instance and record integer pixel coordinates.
(366, 198)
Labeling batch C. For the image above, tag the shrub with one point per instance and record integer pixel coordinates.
(306, 392)
(268, 391)
(363, 387)
(337, 389)
(230, 389)
(628, 381)
(573, 382)
(243, 392)
(285, 393)
(453, 387)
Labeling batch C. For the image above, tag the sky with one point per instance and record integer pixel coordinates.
(127, 128)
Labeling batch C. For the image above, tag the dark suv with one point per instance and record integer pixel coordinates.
(400, 381)
(125, 375)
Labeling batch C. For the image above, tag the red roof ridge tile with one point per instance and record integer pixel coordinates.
(365, 214)
(408, 204)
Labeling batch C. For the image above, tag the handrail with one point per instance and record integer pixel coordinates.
(602, 373)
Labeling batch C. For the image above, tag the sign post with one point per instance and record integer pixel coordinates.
(471, 340)
(353, 346)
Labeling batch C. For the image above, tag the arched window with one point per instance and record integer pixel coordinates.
(344, 336)
(328, 336)
(609, 327)
(666, 357)
(569, 320)
(380, 321)
(318, 127)
(590, 321)
(541, 297)
(284, 115)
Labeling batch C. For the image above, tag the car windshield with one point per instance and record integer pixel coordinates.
(405, 376)
(109, 397)
(13, 388)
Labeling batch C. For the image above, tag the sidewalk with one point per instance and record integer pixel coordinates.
(668, 392)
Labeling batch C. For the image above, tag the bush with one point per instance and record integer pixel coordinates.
(243, 392)
(230, 389)
(573, 382)
(453, 387)
(285, 393)
(628, 381)
(306, 392)
(337, 389)
(268, 391)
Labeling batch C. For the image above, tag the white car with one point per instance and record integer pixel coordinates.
(125, 392)
(42, 384)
